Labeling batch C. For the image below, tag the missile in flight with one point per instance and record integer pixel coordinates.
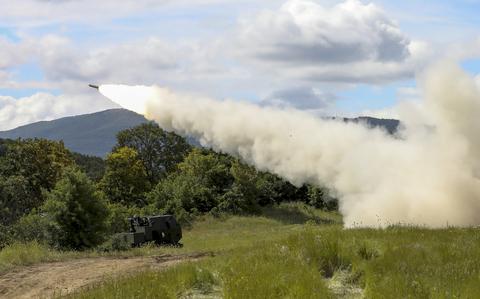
(93, 86)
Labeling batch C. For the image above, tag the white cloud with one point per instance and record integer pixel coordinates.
(300, 44)
(135, 62)
(44, 106)
(349, 42)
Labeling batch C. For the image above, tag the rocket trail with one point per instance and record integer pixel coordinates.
(424, 177)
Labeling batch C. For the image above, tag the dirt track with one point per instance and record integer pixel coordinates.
(45, 280)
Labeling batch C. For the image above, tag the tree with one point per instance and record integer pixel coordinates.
(201, 179)
(320, 198)
(39, 162)
(16, 199)
(125, 180)
(160, 151)
(94, 167)
(4, 144)
(211, 169)
(77, 210)
(242, 197)
(273, 189)
(35, 226)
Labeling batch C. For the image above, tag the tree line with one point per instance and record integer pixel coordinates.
(72, 201)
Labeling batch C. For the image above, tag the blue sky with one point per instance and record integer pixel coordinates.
(358, 53)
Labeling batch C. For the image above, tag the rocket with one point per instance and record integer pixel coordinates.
(133, 98)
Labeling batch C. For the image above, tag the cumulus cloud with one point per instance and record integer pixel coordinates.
(45, 106)
(304, 98)
(128, 62)
(350, 41)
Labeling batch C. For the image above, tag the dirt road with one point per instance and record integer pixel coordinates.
(45, 280)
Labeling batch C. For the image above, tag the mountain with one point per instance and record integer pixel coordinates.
(90, 134)
(95, 134)
(390, 125)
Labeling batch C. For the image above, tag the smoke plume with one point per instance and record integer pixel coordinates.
(426, 175)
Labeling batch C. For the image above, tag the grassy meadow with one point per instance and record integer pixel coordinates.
(294, 251)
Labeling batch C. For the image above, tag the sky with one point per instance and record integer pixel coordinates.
(336, 58)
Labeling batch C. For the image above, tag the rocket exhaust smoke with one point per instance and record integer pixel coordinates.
(426, 177)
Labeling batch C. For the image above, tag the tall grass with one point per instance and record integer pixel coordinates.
(209, 234)
(171, 283)
(293, 252)
(270, 269)
(422, 263)
(19, 254)
(399, 262)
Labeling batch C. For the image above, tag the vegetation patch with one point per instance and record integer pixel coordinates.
(326, 261)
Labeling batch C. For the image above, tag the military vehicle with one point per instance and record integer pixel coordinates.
(159, 229)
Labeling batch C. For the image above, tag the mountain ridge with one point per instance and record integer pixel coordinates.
(91, 134)
(95, 134)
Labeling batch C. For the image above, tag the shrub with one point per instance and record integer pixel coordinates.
(242, 196)
(5, 236)
(78, 212)
(117, 220)
(320, 198)
(35, 227)
(115, 243)
(196, 187)
(273, 190)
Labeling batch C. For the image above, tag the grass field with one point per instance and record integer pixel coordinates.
(208, 235)
(296, 252)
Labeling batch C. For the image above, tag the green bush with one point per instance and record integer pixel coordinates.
(273, 190)
(243, 194)
(116, 242)
(78, 212)
(35, 227)
(117, 220)
(320, 198)
(5, 236)
(201, 178)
